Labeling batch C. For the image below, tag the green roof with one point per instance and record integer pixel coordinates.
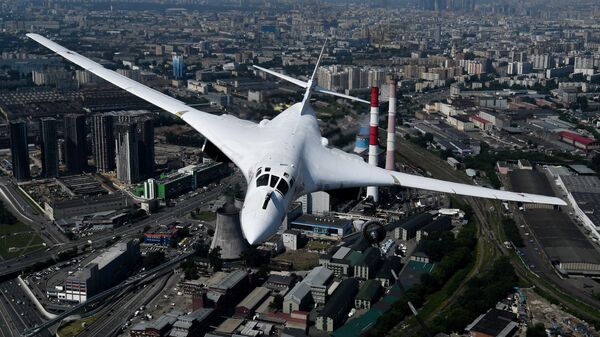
(357, 326)
(369, 290)
(414, 265)
(353, 257)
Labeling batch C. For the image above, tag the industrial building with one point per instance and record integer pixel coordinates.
(161, 236)
(81, 185)
(103, 272)
(228, 233)
(494, 323)
(407, 229)
(368, 294)
(341, 262)
(579, 141)
(583, 193)
(530, 181)
(336, 310)
(442, 223)
(565, 245)
(313, 289)
(368, 263)
(324, 227)
(248, 305)
(188, 178)
(60, 209)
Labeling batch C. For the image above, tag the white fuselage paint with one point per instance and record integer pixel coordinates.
(292, 133)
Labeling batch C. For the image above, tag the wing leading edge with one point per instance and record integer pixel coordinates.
(226, 132)
(334, 169)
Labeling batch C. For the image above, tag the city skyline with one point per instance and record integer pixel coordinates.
(119, 211)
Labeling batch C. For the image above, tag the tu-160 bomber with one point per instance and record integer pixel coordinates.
(286, 157)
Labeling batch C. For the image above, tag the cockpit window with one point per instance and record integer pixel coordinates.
(262, 180)
(282, 186)
(274, 180)
(267, 169)
(292, 182)
(258, 171)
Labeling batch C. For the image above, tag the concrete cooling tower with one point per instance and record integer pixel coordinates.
(228, 233)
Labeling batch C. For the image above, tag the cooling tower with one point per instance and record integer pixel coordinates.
(228, 233)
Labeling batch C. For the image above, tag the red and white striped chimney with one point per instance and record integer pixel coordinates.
(373, 191)
(390, 155)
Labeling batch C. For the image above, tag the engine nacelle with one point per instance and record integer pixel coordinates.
(374, 232)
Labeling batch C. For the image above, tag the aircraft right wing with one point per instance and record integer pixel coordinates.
(335, 169)
(231, 135)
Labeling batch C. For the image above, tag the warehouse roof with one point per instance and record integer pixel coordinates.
(576, 137)
(254, 298)
(345, 292)
(369, 290)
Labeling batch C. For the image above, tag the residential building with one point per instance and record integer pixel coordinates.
(19, 150)
(75, 143)
(49, 147)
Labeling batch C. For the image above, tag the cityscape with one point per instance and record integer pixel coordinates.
(444, 175)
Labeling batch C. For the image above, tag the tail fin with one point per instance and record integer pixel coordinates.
(311, 86)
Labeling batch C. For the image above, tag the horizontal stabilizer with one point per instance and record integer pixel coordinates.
(297, 82)
(305, 85)
(334, 93)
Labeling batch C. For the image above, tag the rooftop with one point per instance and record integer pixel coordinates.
(498, 323)
(369, 290)
(254, 298)
(322, 221)
(231, 280)
(318, 276)
(344, 292)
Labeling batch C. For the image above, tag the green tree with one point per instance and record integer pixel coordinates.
(201, 249)
(215, 260)
(277, 303)
(537, 330)
(153, 259)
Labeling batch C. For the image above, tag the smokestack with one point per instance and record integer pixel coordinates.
(390, 156)
(373, 191)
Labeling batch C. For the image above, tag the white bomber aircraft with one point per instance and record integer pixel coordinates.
(284, 158)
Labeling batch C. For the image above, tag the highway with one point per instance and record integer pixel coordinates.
(17, 311)
(115, 316)
(164, 216)
(29, 215)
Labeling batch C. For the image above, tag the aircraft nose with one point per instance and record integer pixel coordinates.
(259, 217)
(255, 225)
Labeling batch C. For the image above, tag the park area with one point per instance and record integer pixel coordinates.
(16, 238)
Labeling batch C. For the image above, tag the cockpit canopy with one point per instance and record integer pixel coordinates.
(281, 184)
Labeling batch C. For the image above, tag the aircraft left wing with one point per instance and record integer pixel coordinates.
(228, 133)
(335, 169)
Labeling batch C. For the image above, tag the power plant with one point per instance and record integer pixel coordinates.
(228, 232)
(373, 191)
(390, 156)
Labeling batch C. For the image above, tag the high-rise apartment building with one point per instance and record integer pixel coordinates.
(103, 142)
(19, 150)
(49, 147)
(178, 66)
(75, 145)
(127, 158)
